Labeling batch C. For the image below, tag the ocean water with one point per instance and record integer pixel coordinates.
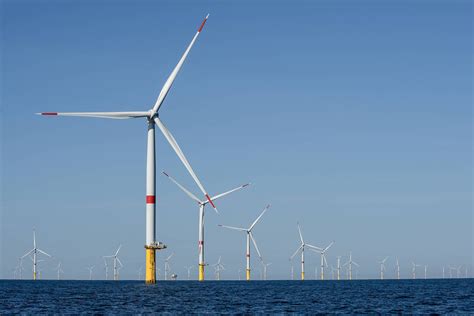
(361, 296)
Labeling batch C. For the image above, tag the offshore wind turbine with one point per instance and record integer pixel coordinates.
(265, 266)
(413, 271)
(167, 265)
(218, 266)
(117, 262)
(106, 269)
(350, 263)
(59, 270)
(426, 268)
(249, 234)
(152, 117)
(324, 262)
(189, 271)
(302, 248)
(90, 268)
(202, 204)
(382, 267)
(338, 268)
(33, 253)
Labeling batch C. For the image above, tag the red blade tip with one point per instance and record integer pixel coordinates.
(49, 113)
(210, 201)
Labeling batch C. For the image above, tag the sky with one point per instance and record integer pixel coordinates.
(353, 118)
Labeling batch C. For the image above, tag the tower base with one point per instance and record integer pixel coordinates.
(201, 272)
(150, 261)
(247, 274)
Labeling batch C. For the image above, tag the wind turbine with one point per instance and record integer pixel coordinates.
(106, 269)
(189, 271)
(382, 267)
(59, 270)
(34, 252)
(117, 262)
(20, 268)
(248, 231)
(265, 266)
(413, 271)
(316, 273)
(153, 118)
(167, 265)
(140, 273)
(426, 268)
(90, 268)
(350, 263)
(218, 266)
(443, 272)
(324, 262)
(302, 248)
(202, 204)
(292, 271)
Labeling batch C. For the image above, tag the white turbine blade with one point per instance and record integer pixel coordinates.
(256, 247)
(116, 253)
(232, 227)
(34, 238)
(26, 254)
(314, 247)
(299, 231)
(345, 264)
(325, 249)
(107, 115)
(192, 196)
(291, 258)
(353, 262)
(325, 261)
(167, 86)
(383, 261)
(169, 257)
(228, 192)
(182, 157)
(44, 253)
(119, 262)
(260, 216)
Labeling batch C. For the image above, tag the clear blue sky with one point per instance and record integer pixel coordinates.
(353, 118)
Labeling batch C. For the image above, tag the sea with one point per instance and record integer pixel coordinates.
(437, 296)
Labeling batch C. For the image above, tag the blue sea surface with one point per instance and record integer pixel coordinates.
(361, 296)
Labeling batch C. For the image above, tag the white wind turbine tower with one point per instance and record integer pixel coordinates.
(302, 248)
(20, 268)
(152, 117)
(350, 263)
(426, 268)
(59, 270)
(443, 272)
(382, 267)
(167, 265)
(189, 271)
(90, 268)
(106, 269)
(292, 271)
(316, 273)
(218, 266)
(140, 273)
(398, 270)
(338, 268)
(117, 262)
(34, 254)
(324, 262)
(202, 204)
(248, 231)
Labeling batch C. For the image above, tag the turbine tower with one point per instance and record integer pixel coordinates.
(398, 270)
(265, 266)
(426, 268)
(106, 267)
(338, 268)
(324, 262)
(152, 117)
(350, 263)
(117, 262)
(248, 231)
(413, 271)
(382, 267)
(202, 204)
(189, 271)
(302, 248)
(34, 254)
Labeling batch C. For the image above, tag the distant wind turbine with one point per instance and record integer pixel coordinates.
(350, 263)
(34, 253)
(90, 268)
(382, 267)
(117, 263)
(302, 247)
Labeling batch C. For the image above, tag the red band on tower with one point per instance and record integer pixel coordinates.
(150, 199)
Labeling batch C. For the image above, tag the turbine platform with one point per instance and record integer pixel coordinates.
(156, 245)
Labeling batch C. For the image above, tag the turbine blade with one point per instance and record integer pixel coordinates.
(169, 82)
(232, 227)
(107, 115)
(26, 254)
(256, 247)
(169, 257)
(118, 262)
(182, 157)
(301, 246)
(116, 253)
(329, 246)
(353, 262)
(299, 231)
(260, 216)
(44, 253)
(230, 191)
(314, 247)
(192, 196)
